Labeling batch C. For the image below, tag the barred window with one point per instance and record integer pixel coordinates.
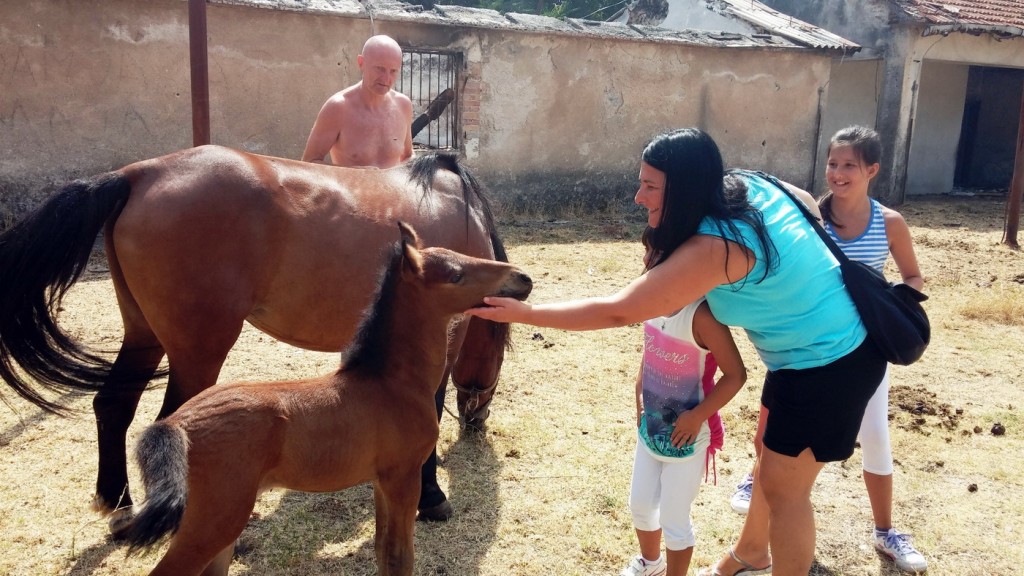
(430, 79)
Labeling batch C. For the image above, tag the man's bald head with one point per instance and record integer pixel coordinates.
(381, 44)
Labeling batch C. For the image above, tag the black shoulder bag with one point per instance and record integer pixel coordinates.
(892, 313)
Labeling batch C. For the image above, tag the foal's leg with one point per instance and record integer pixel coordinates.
(394, 494)
(218, 509)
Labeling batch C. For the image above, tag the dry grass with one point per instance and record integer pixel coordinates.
(545, 487)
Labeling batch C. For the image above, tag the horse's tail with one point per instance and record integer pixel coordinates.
(162, 454)
(41, 257)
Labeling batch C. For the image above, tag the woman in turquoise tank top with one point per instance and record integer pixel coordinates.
(740, 242)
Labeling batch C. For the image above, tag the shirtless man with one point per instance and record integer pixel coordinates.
(366, 124)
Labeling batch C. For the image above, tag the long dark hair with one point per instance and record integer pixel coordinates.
(697, 186)
(866, 145)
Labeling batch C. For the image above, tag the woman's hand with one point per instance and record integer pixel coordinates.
(501, 309)
(686, 428)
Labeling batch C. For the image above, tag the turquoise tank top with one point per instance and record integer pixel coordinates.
(800, 315)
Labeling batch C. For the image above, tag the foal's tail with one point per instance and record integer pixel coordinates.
(162, 454)
(41, 257)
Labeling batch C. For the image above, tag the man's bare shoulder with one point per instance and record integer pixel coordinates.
(343, 97)
(402, 103)
(400, 98)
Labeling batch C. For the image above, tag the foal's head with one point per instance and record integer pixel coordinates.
(422, 287)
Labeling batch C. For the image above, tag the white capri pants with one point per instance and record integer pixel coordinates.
(875, 446)
(662, 492)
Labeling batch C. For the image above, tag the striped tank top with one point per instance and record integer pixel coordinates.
(871, 247)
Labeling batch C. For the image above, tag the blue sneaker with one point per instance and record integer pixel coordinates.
(897, 546)
(740, 501)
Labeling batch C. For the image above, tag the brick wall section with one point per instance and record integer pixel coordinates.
(470, 102)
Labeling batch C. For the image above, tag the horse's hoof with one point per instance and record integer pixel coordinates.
(440, 513)
(118, 522)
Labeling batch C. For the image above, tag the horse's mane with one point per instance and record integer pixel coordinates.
(422, 170)
(371, 344)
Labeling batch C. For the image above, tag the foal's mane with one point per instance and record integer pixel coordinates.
(370, 347)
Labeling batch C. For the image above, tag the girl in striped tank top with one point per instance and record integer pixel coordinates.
(868, 232)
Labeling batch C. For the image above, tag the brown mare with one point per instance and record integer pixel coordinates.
(204, 239)
(373, 420)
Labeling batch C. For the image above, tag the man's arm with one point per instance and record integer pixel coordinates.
(324, 133)
(406, 106)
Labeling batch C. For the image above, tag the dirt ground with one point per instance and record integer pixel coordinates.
(545, 487)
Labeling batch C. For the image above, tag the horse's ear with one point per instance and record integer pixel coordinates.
(412, 260)
(409, 235)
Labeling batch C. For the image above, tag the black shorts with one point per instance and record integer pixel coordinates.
(821, 408)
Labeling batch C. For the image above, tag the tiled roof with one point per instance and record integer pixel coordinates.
(999, 16)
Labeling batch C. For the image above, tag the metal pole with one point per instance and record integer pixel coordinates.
(200, 72)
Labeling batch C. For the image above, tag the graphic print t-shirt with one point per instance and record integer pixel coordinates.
(673, 369)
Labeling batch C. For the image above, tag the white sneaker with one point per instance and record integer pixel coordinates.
(898, 547)
(740, 501)
(640, 567)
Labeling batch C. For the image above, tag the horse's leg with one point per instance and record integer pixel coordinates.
(433, 505)
(115, 404)
(196, 355)
(475, 374)
(114, 408)
(395, 497)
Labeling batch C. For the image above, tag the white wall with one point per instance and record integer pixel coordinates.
(936, 128)
(852, 99)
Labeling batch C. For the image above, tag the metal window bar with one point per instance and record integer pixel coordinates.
(426, 74)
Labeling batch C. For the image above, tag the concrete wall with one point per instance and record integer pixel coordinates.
(906, 53)
(852, 99)
(940, 111)
(937, 113)
(91, 85)
(570, 118)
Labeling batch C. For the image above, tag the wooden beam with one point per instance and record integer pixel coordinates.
(200, 72)
(1013, 199)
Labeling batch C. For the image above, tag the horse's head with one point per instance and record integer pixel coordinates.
(457, 282)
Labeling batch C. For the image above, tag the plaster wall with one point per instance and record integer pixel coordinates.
(936, 132)
(852, 99)
(570, 116)
(92, 85)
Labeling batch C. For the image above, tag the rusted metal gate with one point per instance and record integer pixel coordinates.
(430, 79)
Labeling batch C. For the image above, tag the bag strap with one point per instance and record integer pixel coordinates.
(836, 251)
